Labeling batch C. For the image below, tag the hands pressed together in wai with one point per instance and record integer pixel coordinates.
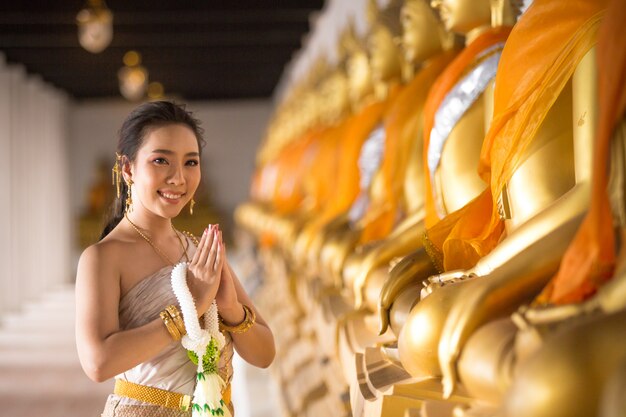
(210, 277)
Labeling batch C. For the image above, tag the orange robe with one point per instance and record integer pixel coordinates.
(590, 259)
(539, 58)
(277, 182)
(346, 181)
(403, 128)
(446, 81)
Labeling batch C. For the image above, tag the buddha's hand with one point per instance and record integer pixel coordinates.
(205, 268)
(474, 306)
(413, 268)
(548, 315)
(443, 279)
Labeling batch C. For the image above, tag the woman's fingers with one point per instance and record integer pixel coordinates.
(221, 255)
(204, 252)
(196, 255)
(213, 251)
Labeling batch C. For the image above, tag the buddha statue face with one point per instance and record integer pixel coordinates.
(359, 77)
(461, 16)
(419, 23)
(384, 54)
(333, 95)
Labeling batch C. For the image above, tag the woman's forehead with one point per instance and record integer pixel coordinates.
(175, 137)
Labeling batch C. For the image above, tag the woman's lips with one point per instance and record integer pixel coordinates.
(173, 198)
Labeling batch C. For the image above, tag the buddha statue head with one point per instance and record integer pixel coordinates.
(463, 16)
(419, 22)
(333, 96)
(357, 64)
(383, 43)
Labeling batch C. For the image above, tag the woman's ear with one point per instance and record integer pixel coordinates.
(127, 168)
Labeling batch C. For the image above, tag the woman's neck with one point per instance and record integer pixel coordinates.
(156, 226)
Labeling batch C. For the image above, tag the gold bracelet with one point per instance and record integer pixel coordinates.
(169, 325)
(248, 321)
(177, 319)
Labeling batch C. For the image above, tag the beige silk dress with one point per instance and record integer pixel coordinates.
(171, 369)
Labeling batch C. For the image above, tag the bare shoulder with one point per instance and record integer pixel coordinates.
(103, 259)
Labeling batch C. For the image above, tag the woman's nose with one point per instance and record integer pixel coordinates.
(176, 175)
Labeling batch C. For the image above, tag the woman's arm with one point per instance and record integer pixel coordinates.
(105, 351)
(256, 345)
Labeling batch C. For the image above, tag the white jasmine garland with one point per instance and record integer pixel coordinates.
(205, 345)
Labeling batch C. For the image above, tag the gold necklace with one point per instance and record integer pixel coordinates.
(157, 250)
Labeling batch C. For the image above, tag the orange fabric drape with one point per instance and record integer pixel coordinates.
(346, 181)
(539, 58)
(590, 259)
(403, 126)
(289, 169)
(320, 169)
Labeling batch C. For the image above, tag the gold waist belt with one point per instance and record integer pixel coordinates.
(159, 396)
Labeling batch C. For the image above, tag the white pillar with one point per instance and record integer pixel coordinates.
(35, 226)
(5, 185)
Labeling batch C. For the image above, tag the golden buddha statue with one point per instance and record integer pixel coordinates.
(577, 338)
(456, 116)
(454, 134)
(374, 83)
(366, 114)
(387, 67)
(400, 194)
(401, 169)
(536, 157)
(275, 186)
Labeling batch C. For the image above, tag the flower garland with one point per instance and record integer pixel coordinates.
(203, 347)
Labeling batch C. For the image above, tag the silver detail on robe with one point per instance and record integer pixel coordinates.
(370, 158)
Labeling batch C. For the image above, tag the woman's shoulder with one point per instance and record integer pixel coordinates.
(107, 252)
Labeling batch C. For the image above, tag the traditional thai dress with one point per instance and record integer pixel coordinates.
(170, 370)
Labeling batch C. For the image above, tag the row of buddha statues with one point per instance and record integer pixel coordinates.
(439, 215)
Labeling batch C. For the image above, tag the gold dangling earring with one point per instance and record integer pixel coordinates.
(117, 173)
(129, 199)
(191, 204)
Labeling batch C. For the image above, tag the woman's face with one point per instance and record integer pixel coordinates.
(166, 170)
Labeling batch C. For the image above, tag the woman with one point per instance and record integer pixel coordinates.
(128, 321)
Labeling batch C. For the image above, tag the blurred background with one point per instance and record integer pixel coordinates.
(70, 72)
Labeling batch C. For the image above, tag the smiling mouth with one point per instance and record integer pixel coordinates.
(171, 196)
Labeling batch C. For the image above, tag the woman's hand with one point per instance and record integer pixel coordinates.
(228, 303)
(205, 269)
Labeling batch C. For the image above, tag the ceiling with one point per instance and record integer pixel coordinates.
(198, 50)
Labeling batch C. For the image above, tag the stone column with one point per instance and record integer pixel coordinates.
(34, 215)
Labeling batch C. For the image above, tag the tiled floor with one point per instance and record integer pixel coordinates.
(40, 374)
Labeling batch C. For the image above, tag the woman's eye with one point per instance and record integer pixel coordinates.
(193, 162)
(160, 161)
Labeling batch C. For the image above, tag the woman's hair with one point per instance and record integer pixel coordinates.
(137, 125)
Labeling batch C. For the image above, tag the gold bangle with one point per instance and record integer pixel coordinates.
(248, 321)
(177, 319)
(169, 325)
